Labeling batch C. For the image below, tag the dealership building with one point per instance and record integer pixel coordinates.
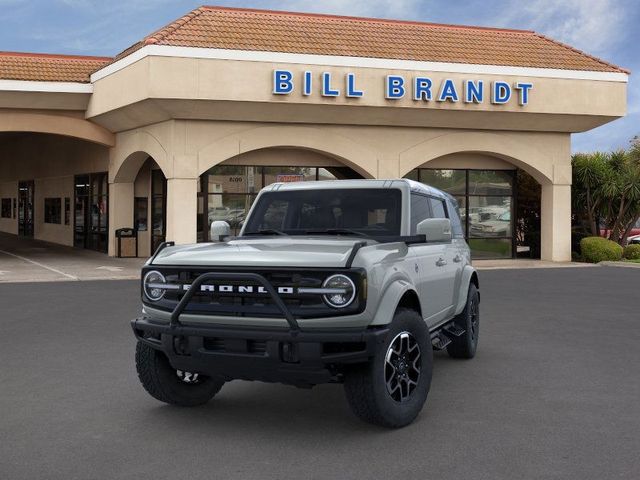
(187, 125)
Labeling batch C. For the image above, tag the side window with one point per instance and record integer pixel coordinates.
(437, 208)
(419, 210)
(454, 215)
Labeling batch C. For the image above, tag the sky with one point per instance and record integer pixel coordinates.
(604, 28)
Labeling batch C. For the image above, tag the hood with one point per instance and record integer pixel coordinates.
(263, 252)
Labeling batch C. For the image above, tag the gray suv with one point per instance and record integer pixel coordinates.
(347, 281)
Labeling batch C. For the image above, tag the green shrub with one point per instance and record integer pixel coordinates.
(632, 252)
(598, 249)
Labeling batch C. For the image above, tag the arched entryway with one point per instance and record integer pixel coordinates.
(499, 203)
(139, 201)
(226, 191)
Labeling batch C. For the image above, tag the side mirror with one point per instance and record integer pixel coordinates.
(219, 231)
(435, 229)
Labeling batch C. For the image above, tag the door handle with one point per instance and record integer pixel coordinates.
(457, 258)
(441, 262)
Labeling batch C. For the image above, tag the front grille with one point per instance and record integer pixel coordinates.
(256, 303)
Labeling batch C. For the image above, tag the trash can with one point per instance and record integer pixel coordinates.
(127, 242)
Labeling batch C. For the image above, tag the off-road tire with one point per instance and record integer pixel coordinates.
(365, 385)
(162, 382)
(465, 346)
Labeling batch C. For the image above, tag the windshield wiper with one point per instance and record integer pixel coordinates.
(338, 231)
(267, 231)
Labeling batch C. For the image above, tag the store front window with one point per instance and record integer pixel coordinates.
(486, 200)
(226, 192)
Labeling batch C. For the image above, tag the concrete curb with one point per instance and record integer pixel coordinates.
(620, 264)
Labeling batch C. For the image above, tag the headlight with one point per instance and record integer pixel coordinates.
(341, 291)
(153, 285)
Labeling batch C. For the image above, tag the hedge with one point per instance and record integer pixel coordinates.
(632, 252)
(598, 249)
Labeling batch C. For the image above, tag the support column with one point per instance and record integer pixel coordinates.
(555, 211)
(182, 210)
(120, 211)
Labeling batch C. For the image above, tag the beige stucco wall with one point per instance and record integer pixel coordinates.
(53, 187)
(184, 149)
(158, 88)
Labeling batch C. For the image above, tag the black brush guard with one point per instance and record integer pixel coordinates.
(291, 356)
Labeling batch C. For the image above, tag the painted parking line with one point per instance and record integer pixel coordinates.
(41, 265)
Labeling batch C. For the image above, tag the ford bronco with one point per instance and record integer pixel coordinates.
(346, 281)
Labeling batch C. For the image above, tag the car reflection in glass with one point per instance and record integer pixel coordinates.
(493, 226)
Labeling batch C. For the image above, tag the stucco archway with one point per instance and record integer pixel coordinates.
(58, 125)
(523, 156)
(131, 152)
(346, 151)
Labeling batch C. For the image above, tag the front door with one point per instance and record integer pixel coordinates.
(91, 219)
(25, 208)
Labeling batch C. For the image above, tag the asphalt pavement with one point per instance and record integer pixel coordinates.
(554, 392)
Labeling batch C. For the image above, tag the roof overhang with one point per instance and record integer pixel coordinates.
(46, 87)
(356, 62)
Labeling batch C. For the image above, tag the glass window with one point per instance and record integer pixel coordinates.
(290, 174)
(412, 175)
(53, 210)
(454, 215)
(489, 217)
(67, 210)
(370, 211)
(450, 181)
(141, 213)
(229, 207)
(6, 208)
(419, 210)
(438, 209)
(234, 179)
(490, 182)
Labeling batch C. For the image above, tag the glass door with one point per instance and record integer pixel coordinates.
(158, 208)
(91, 226)
(81, 211)
(25, 208)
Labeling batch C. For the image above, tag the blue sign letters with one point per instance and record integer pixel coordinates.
(421, 88)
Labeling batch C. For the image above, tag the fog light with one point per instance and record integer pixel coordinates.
(341, 292)
(154, 283)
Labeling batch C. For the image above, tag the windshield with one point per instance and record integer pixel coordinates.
(363, 211)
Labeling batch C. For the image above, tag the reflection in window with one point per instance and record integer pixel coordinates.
(485, 200)
(490, 217)
(450, 181)
(140, 221)
(490, 182)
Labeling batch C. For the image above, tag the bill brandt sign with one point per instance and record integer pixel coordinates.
(420, 88)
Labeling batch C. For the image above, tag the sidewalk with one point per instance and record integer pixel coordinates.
(28, 260)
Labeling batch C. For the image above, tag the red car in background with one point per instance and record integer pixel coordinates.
(635, 232)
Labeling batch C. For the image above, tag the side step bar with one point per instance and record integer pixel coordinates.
(443, 336)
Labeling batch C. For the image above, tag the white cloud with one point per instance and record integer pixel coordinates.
(592, 25)
(403, 9)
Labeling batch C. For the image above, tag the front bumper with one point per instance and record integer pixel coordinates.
(301, 358)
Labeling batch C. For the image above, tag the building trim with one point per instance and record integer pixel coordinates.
(47, 87)
(343, 61)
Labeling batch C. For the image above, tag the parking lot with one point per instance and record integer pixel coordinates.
(554, 392)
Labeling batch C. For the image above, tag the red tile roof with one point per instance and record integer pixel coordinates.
(274, 31)
(48, 68)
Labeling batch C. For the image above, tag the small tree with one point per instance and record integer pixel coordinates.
(607, 186)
